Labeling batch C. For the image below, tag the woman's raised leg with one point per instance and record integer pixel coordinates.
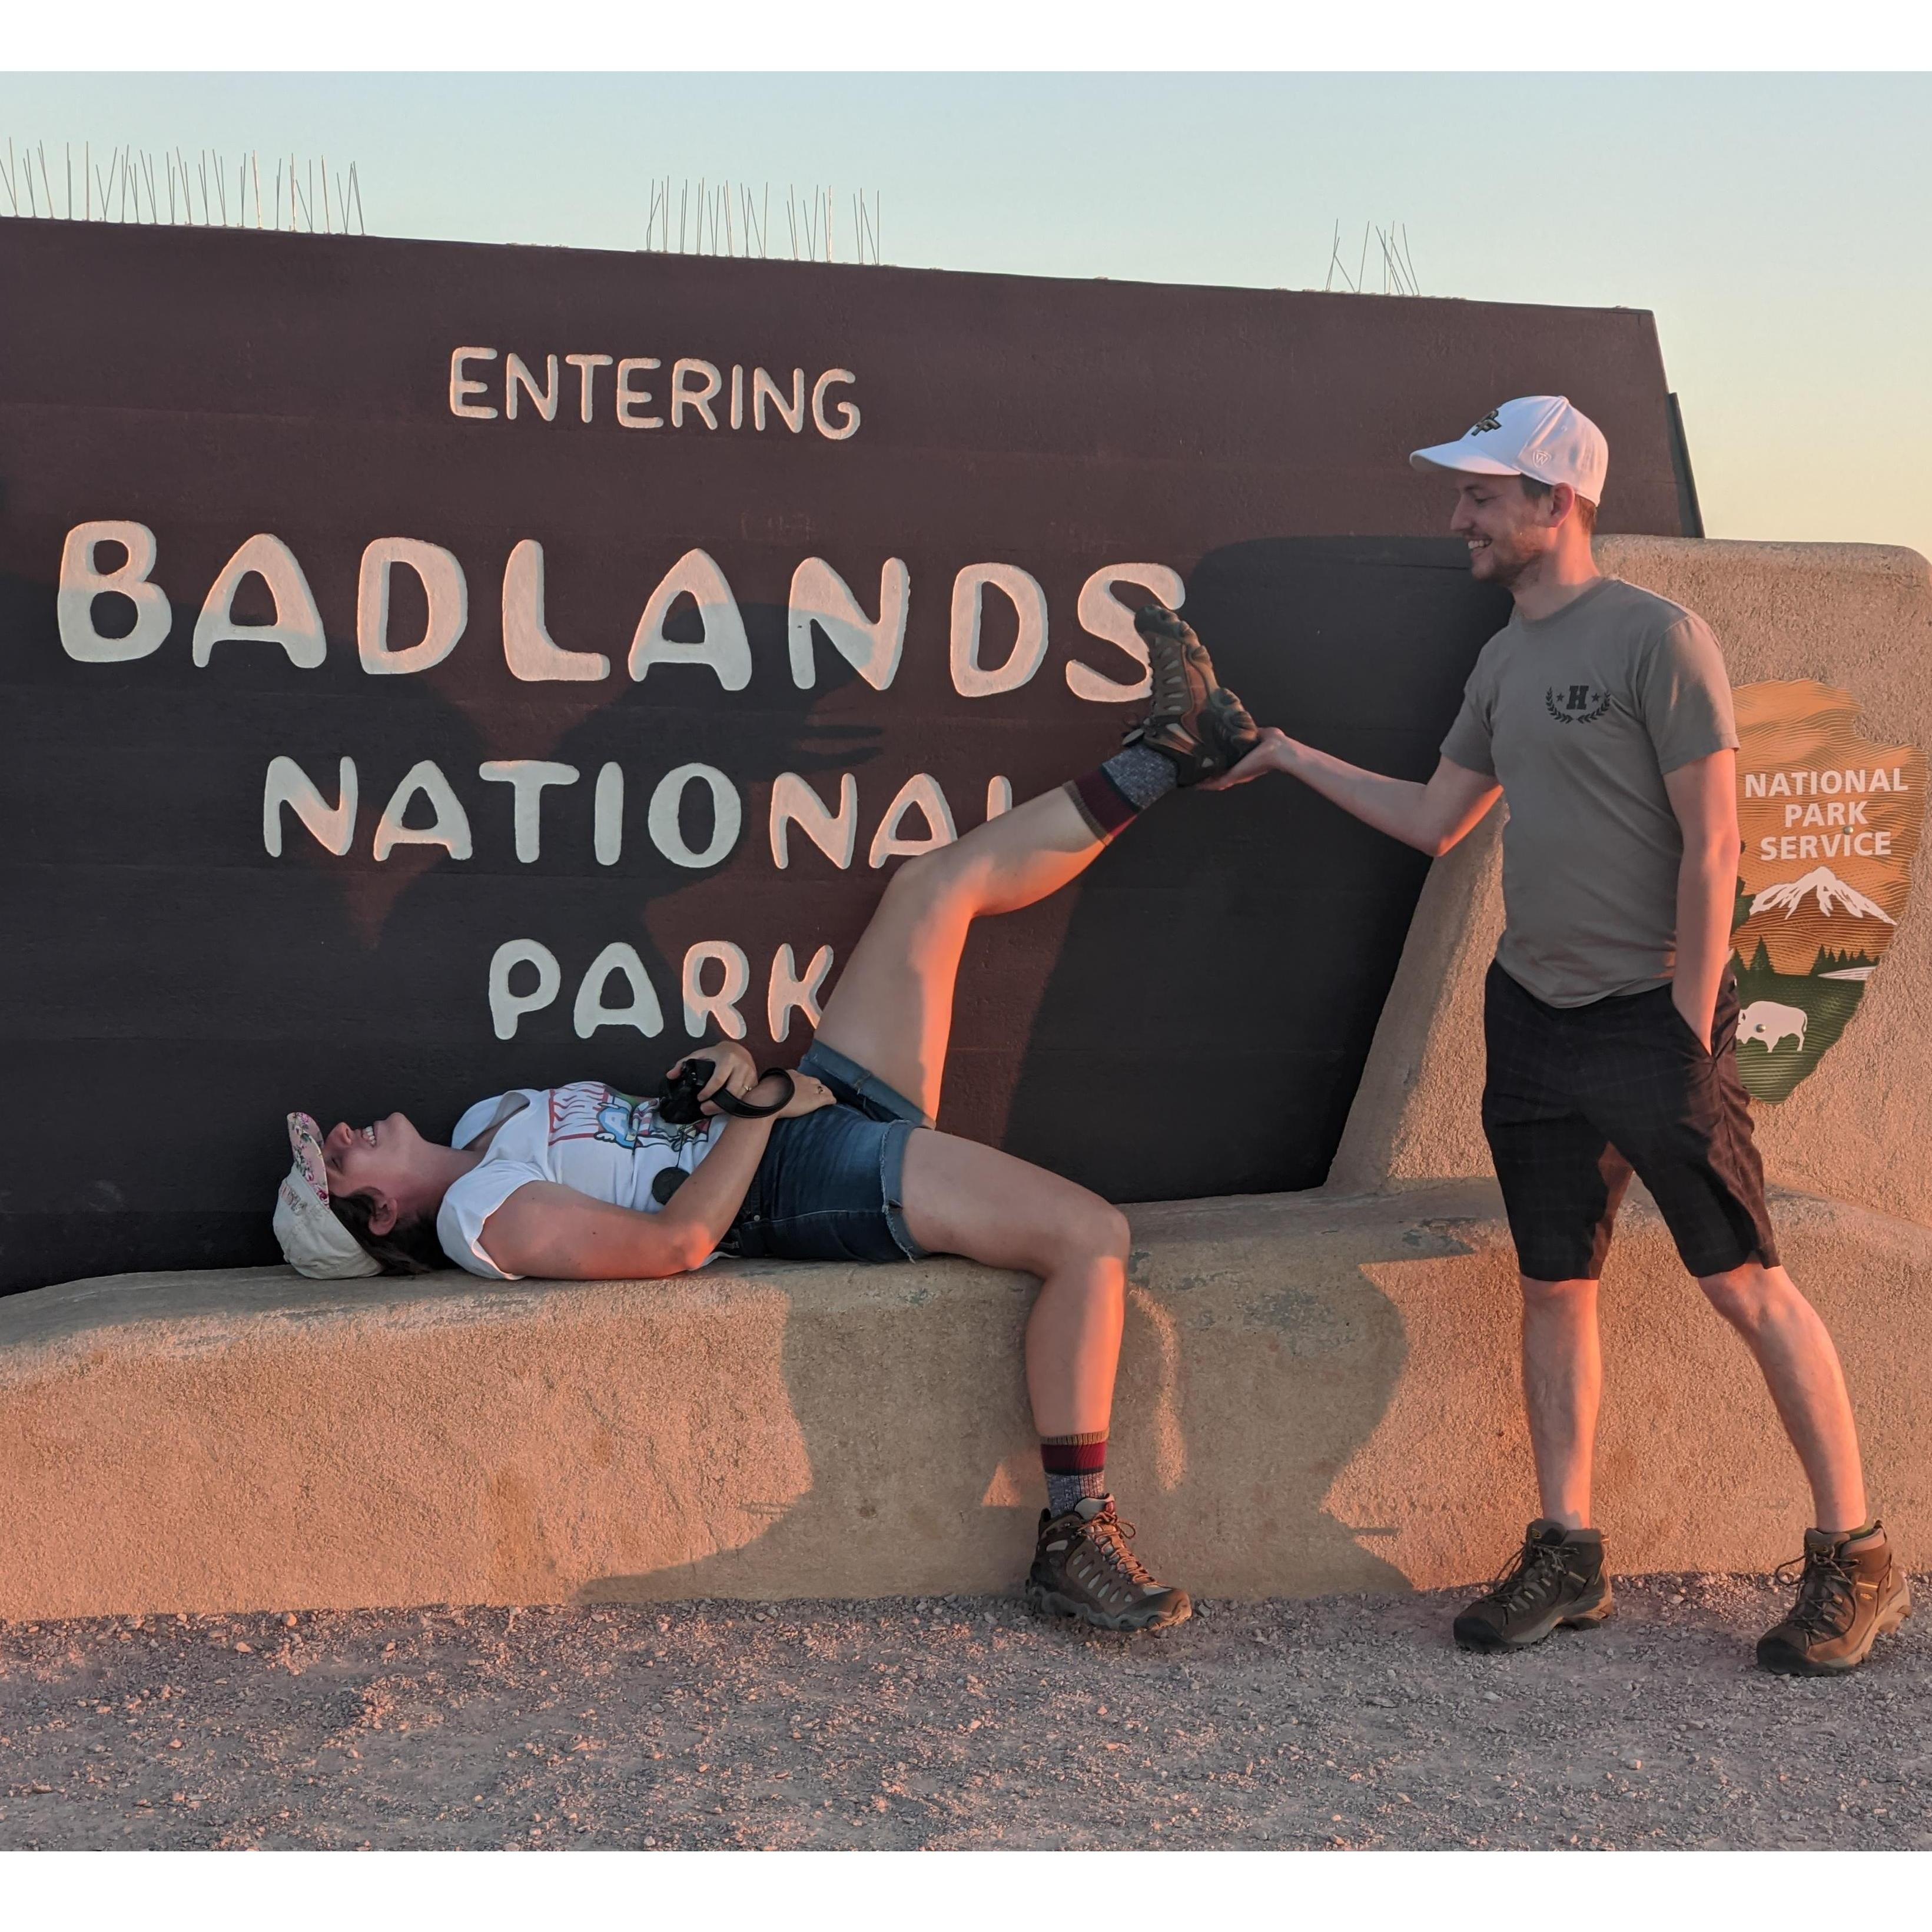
(892, 1008)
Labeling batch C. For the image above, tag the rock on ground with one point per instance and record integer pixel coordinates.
(956, 1722)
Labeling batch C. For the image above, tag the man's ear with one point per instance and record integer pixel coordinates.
(382, 1215)
(1562, 501)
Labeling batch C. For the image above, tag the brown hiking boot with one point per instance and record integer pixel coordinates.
(1556, 1583)
(1846, 1600)
(1082, 1567)
(1201, 728)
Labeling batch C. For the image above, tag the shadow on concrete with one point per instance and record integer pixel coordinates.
(1259, 1358)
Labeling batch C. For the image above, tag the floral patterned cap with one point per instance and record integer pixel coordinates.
(313, 1242)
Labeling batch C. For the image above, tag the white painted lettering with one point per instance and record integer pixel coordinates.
(848, 413)
(516, 374)
(527, 646)
(724, 647)
(1103, 615)
(607, 824)
(722, 1005)
(789, 991)
(332, 827)
(820, 596)
(727, 816)
(507, 1007)
(684, 396)
(588, 1011)
(790, 409)
(922, 790)
(630, 399)
(462, 386)
(297, 627)
(969, 678)
(81, 582)
(586, 367)
(444, 588)
(451, 828)
(526, 778)
(795, 802)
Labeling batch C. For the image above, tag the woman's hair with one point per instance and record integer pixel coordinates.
(410, 1247)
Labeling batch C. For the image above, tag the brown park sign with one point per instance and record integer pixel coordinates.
(1830, 821)
(428, 669)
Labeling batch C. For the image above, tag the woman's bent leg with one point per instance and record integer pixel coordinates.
(963, 1199)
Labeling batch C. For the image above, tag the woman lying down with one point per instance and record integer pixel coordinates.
(838, 1161)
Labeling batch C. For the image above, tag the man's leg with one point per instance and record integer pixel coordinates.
(1562, 1385)
(1678, 1110)
(1795, 1352)
(1561, 1182)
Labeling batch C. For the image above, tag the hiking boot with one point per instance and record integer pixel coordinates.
(1557, 1582)
(1846, 1598)
(1082, 1567)
(1201, 728)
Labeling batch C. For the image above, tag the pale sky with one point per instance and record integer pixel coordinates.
(1774, 224)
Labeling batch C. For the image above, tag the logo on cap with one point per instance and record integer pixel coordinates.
(1492, 421)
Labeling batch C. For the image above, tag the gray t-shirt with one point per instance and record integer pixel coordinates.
(1579, 716)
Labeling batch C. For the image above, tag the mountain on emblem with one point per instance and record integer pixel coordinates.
(1831, 892)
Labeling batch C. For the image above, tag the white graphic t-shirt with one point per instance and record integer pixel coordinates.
(609, 1145)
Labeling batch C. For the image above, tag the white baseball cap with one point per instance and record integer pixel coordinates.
(314, 1242)
(1544, 437)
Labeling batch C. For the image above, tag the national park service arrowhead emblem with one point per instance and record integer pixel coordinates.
(1830, 822)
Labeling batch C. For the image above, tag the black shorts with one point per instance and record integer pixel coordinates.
(1578, 1096)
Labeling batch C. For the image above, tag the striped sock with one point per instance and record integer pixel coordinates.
(1111, 798)
(1076, 1466)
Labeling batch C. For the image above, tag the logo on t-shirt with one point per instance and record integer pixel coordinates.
(587, 1111)
(1576, 703)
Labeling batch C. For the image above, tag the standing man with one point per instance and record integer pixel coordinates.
(1602, 714)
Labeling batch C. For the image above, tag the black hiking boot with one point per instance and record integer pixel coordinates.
(1201, 726)
(1557, 1582)
(1846, 1600)
(1082, 1567)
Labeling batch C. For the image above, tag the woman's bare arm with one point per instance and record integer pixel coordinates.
(553, 1231)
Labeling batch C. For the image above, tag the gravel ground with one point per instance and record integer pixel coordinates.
(955, 1723)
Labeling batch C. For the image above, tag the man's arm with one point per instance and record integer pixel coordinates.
(554, 1232)
(1432, 818)
(1704, 795)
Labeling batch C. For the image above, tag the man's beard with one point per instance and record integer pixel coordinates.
(1509, 558)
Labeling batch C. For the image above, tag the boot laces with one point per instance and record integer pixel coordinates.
(1538, 1569)
(1827, 1601)
(1112, 1537)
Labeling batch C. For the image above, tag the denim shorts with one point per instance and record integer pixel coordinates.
(831, 1185)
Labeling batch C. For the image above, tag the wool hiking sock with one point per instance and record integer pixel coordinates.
(1076, 1466)
(1112, 797)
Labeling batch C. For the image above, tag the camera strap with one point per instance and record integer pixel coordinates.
(749, 1110)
